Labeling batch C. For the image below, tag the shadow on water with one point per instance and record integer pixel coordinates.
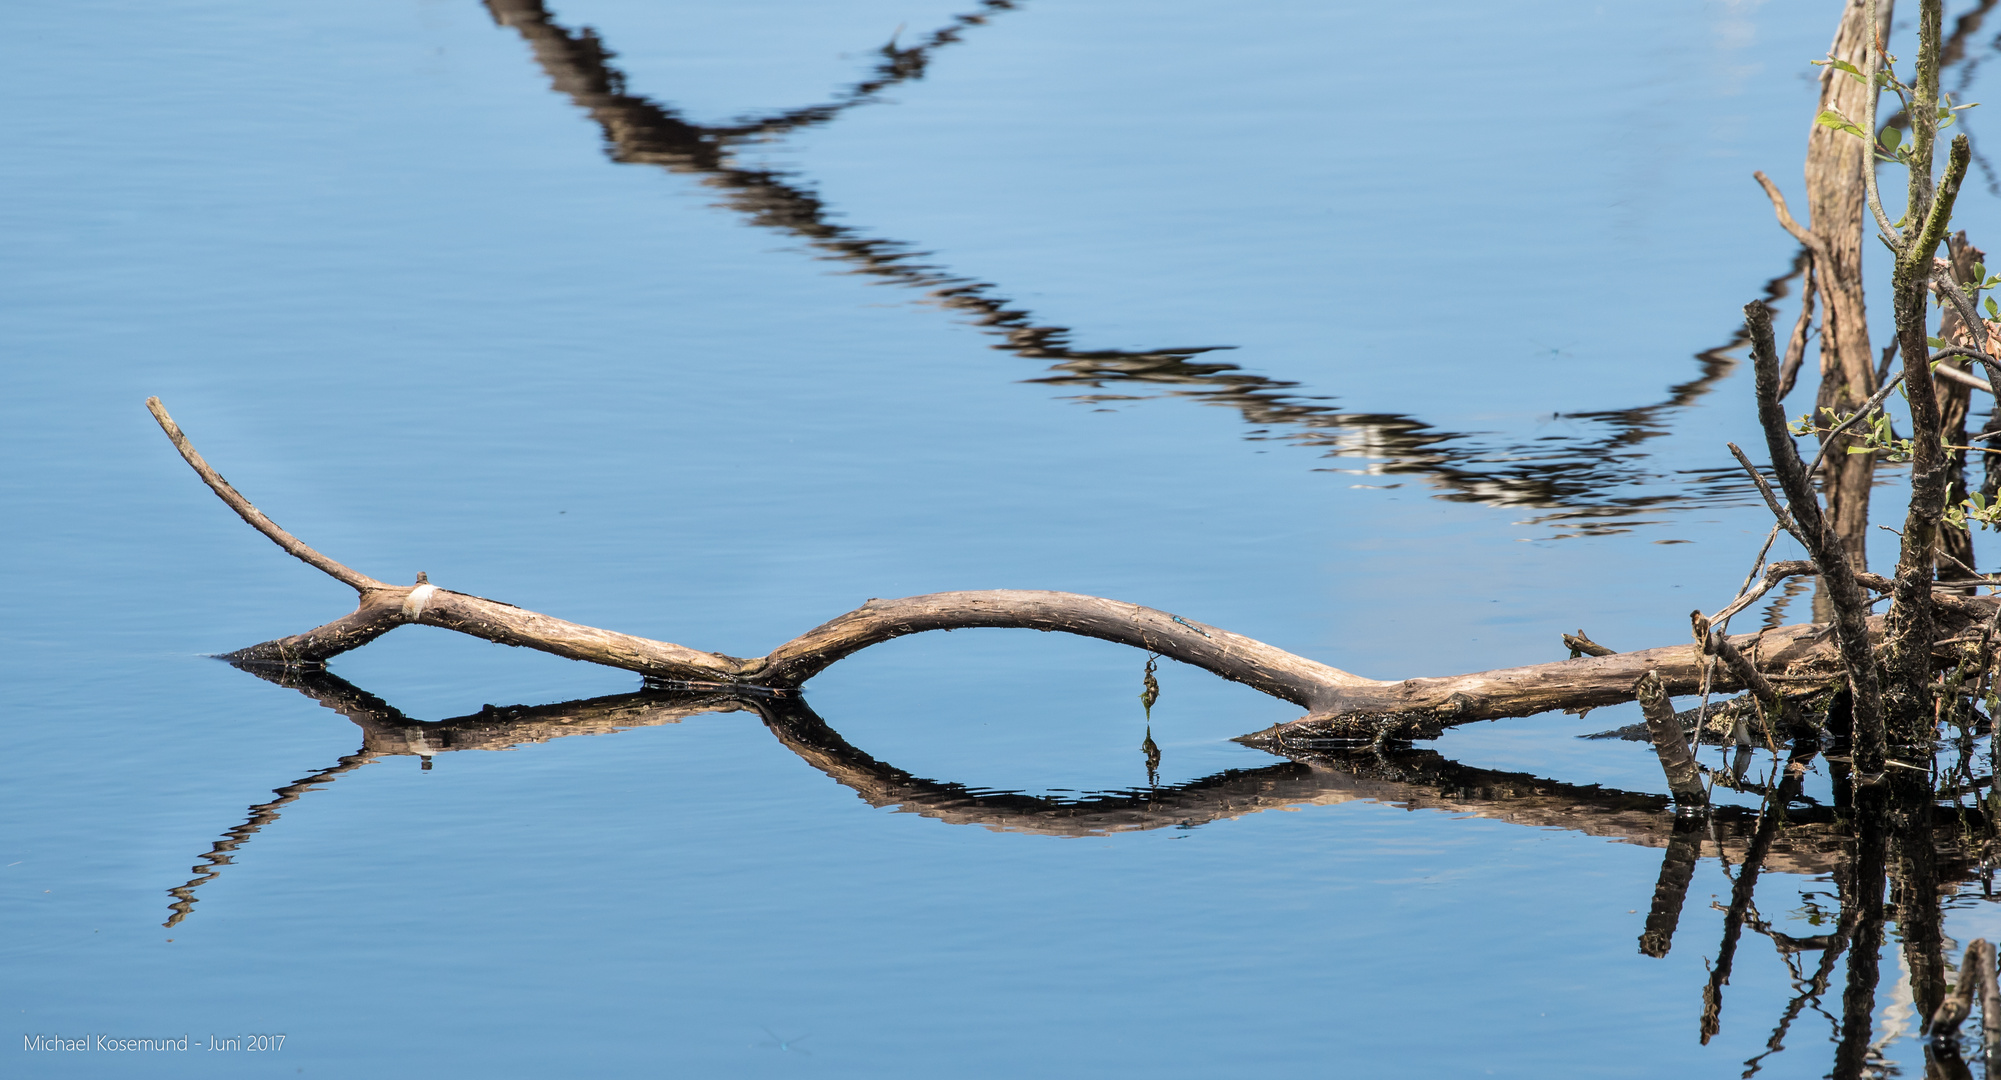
(1895, 852)
(1592, 482)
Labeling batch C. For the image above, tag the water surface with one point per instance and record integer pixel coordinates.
(1404, 339)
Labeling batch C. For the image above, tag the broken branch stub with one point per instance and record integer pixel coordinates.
(1684, 776)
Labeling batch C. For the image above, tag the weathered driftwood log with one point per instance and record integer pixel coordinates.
(1343, 705)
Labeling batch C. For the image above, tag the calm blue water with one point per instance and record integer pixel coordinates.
(395, 287)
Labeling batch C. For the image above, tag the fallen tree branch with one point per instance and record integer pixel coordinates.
(384, 607)
(1343, 705)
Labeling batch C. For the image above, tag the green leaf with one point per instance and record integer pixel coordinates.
(1979, 271)
(1830, 118)
(1892, 137)
(1993, 310)
(1935, 342)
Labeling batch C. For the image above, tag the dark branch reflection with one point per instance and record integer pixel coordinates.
(1594, 481)
(1895, 825)
(1888, 853)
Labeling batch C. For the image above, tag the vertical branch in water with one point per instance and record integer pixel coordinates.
(1684, 777)
(1816, 531)
(1955, 400)
(1909, 626)
(1836, 165)
(1150, 693)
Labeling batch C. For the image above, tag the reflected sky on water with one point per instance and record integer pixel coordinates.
(715, 321)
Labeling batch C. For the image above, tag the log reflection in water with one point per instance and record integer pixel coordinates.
(1812, 842)
(1890, 825)
(1594, 482)
(1415, 779)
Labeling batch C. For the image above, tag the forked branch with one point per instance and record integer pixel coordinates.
(1343, 705)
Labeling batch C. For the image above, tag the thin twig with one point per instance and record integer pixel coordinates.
(1774, 574)
(1875, 402)
(293, 546)
(1969, 317)
(1770, 702)
(1817, 256)
(1953, 374)
(1871, 56)
(1789, 370)
(1974, 577)
(1772, 503)
(1757, 567)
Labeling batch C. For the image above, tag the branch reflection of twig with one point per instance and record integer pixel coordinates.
(1589, 482)
(1769, 817)
(261, 815)
(1831, 949)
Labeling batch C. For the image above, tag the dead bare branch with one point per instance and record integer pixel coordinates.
(1344, 706)
(1580, 645)
(1851, 608)
(292, 545)
(1684, 777)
